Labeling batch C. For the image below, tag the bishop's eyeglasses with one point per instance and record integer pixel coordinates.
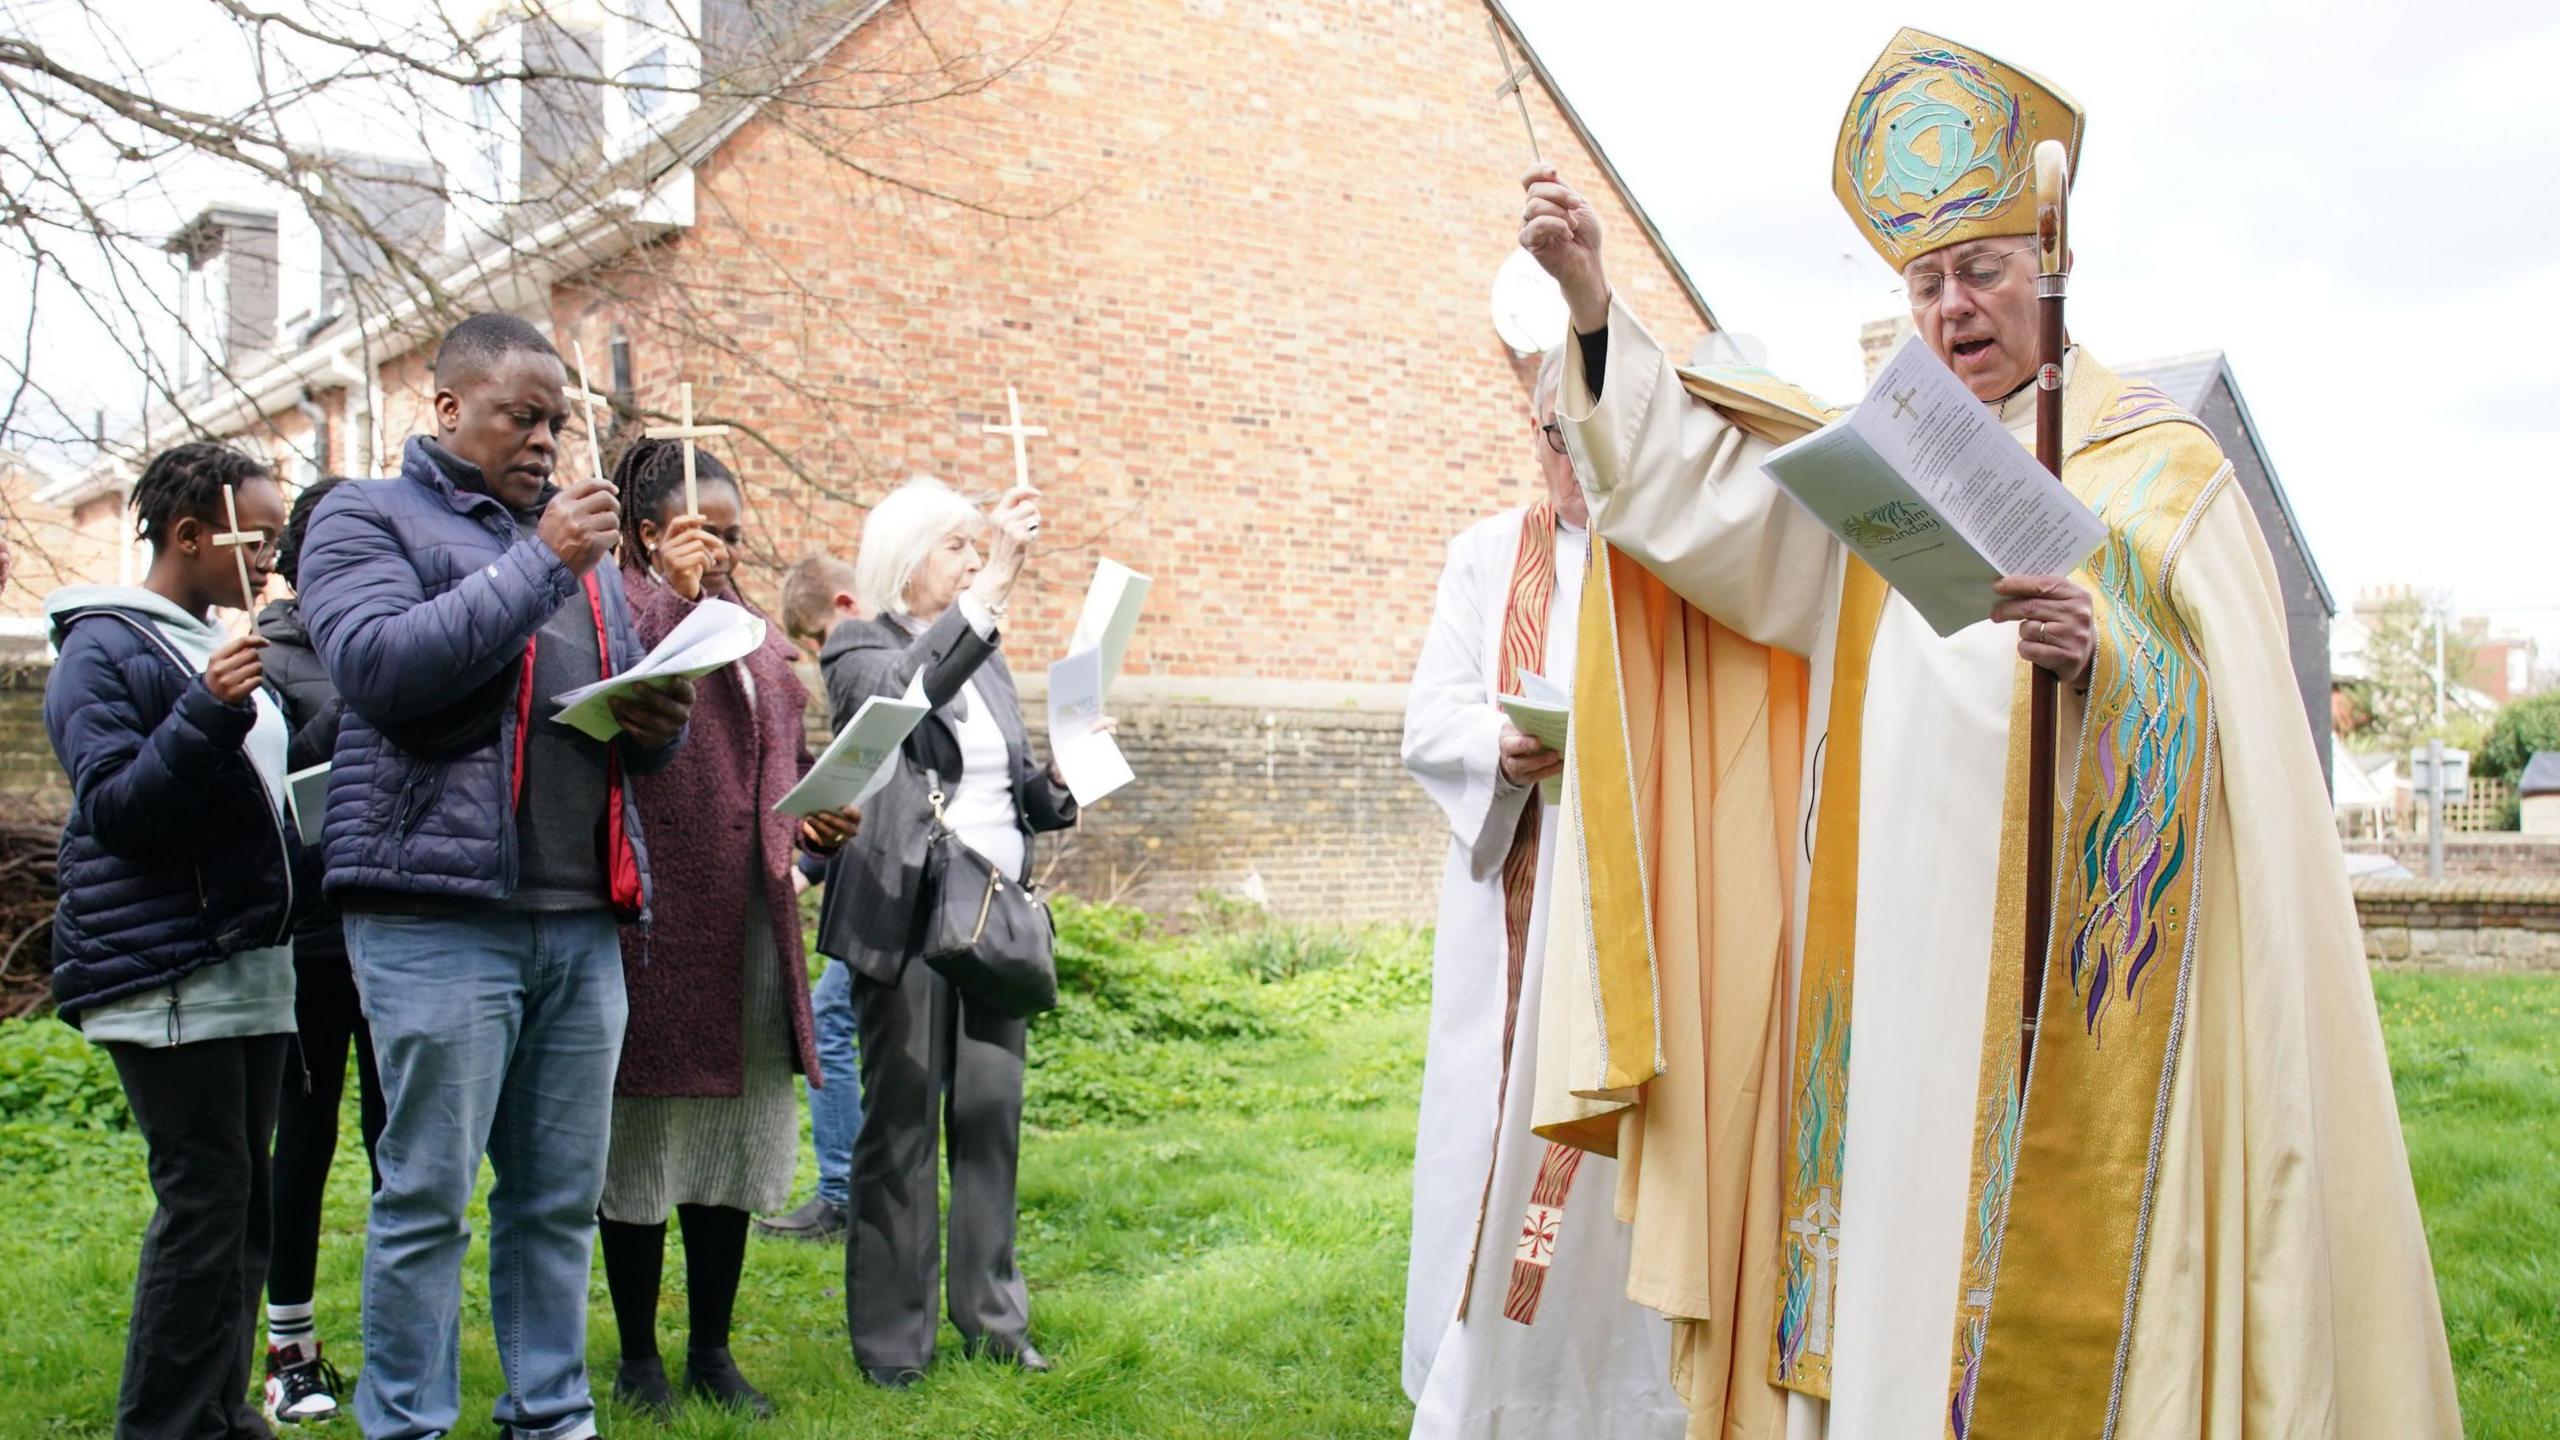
(1980, 274)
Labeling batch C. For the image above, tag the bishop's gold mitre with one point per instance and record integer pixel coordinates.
(1937, 146)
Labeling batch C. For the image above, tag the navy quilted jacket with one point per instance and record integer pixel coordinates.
(173, 856)
(420, 593)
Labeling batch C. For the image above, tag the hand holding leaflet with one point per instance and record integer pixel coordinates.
(1085, 756)
(717, 633)
(1543, 711)
(1926, 485)
(857, 763)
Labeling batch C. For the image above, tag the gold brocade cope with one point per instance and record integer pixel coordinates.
(2063, 1181)
(1935, 146)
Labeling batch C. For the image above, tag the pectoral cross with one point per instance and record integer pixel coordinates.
(1513, 77)
(588, 397)
(1902, 403)
(688, 432)
(1818, 1230)
(1020, 434)
(240, 542)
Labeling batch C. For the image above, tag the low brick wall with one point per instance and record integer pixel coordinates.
(1307, 808)
(30, 777)
(2476, 855)
(2461, 924)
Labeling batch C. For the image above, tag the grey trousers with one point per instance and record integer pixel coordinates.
(933, 1065)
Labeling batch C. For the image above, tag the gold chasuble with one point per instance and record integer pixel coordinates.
(1665, 1045)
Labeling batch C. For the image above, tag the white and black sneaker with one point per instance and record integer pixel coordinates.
(302, 1388)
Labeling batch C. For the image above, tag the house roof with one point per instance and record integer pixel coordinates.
(2189, 380)
(2541, 774)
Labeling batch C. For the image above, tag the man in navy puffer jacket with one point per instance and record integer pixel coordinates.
(483, 855)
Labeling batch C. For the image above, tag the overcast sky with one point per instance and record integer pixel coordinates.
(2354, 200)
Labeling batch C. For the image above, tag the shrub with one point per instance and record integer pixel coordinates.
(51, 1078)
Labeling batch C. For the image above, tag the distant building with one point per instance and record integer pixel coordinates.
(2539, 791)
(2502, 661)
(2204, 386)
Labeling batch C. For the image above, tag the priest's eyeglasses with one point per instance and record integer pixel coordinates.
(1555, 436)
(1980, 274)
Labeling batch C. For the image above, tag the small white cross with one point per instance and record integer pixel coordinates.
(1818, 1230)
(588, 397)
(688, 432)
(1513, 79)
(240, 542)
(1020, 433)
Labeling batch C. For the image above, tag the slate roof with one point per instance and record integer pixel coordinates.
(2189, 380)
(2541, 774)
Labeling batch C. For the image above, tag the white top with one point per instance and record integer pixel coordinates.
(980, 807)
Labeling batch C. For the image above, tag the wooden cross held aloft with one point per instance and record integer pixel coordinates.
(588, 397)
(1020, 434)
(688, 432)
(1513, 78)
(240, 541)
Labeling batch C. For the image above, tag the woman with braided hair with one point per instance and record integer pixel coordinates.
(172, 941)
(705, 1122)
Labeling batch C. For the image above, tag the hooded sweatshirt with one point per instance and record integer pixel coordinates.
(250, 993)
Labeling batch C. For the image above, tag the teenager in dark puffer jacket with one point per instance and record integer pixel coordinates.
(302, 1387)
(172, 938)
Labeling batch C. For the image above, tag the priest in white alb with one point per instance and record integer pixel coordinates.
(2195, 1219)
(1517, 1322)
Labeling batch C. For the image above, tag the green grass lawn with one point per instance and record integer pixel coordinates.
(1214, 1199)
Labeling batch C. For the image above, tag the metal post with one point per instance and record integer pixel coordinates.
(2435, 808)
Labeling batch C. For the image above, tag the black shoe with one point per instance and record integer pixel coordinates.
(892, 1377)
(1017, 1353)
(642, 1386)
(713, 1375)
(819, 1221)
(301, 1390)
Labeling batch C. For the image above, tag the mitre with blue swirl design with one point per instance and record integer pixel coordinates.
(1937, 147)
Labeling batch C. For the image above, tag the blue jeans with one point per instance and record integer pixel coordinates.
(835, 1108)
(498, 1034)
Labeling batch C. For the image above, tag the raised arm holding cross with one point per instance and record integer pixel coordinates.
(688, 432)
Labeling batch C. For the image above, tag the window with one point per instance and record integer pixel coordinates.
(487, 174)
(655, 56)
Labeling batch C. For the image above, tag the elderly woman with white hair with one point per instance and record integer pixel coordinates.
(931, 1057)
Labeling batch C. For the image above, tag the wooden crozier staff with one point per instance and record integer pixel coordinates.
(2053, 260)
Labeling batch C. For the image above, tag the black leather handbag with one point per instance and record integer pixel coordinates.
(987, 933)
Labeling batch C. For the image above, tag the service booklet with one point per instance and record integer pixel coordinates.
(1110, 616)
(717, 633)
(857, 763)
(1928, 487)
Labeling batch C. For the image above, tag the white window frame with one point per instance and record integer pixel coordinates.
(638, 32)
(481, 198)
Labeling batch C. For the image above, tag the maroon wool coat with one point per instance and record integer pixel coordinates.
(684, 976)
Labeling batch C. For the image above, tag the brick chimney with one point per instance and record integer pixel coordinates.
(231, 253)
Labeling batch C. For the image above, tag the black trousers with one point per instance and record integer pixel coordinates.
(934, 1066)
(329, 1023)
(206, 1111)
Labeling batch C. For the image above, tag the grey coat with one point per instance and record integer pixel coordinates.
(871, 919)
